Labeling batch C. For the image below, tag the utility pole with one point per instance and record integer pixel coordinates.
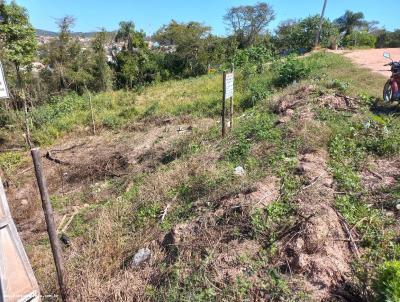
(320, 24)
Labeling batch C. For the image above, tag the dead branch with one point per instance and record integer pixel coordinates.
(68, 148)
(375, 174)
(57, 161)
(346, 228)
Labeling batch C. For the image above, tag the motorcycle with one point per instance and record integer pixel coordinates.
(391, 90)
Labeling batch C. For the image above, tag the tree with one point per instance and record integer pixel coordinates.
(350, 21)
(135, 65)
(19, 45)
(188, 45)
(129, 36)
(299, 36)
(388, 39)
(17, 36)
(248, 22)
(101, 70)
(69, 64)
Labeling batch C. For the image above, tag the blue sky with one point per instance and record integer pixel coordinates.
(149, 15)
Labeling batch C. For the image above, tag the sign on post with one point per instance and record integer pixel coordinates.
(229, 78)
(3, 85)
(228, 88)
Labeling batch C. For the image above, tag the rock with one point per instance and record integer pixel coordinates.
(398, 206)
(24, 202)
(140, 257)
(239, 171)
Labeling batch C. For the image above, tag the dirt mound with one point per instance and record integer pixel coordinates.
(338, 102)
(295, 99)
(317, 248)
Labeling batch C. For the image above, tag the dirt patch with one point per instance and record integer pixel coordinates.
(380, 174)
(87, 163)
(371, 58)
(299, 97)
(317, 248)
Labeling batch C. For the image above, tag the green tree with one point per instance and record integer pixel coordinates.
(360, 38)
(187, 45)
(293, 35)
(135, 65)
(129, 36)
(350, 21)
(388, 39)
(249, 22)
(19, 45)
(70, 65)
(101, 70)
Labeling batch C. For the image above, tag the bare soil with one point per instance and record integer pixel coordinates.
(372, 58)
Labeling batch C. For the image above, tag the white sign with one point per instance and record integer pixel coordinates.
(3, 85)
(229, 79)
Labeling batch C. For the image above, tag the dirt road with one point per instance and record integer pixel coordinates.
(372, 58)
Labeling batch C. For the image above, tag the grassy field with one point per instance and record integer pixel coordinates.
(223, 236)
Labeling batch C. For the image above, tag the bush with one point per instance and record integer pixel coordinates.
(359, 39)
(256, 55)
(387, 285)
(258, 92)
(290, 70)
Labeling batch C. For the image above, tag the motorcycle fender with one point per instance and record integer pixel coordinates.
(395, 87)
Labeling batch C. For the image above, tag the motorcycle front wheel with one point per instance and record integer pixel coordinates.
(388, 92)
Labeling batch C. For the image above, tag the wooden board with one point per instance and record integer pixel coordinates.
(17, 281)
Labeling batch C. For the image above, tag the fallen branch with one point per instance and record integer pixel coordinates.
(68, 149)
(348, 232)
(375, 174)
(57, 161)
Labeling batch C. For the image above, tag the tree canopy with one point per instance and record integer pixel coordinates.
(17, 35)
(248, 22)
(349, 21)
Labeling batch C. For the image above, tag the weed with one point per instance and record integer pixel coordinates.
(387, 285)
(342, 86)
(9, 161)
(290, 70)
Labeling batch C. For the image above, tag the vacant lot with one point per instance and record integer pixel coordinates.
(372, 58)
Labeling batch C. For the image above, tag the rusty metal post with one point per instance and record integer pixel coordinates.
(48, 215)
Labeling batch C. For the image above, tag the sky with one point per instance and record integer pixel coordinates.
(150, 15)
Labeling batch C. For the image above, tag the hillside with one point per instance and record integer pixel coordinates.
(48, 33)
(311, 216)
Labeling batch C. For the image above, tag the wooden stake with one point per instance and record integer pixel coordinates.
(223, 105)
(48, 215)
(91, 109)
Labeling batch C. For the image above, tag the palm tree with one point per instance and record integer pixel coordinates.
(349, 21)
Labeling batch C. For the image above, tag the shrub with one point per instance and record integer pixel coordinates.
(387, 285)
(256, 55)
(359, 39)
(290, 70)
(258, 92)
